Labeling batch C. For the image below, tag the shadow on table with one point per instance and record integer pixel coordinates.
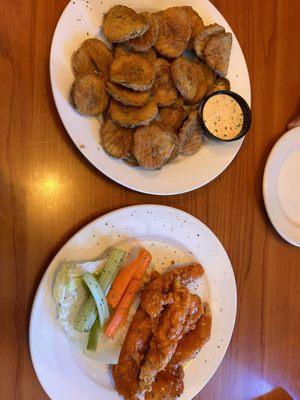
(276, 394)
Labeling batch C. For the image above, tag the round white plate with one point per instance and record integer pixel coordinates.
(281, 186)
(170, 235)
(82, 19)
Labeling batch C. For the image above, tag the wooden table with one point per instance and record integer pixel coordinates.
(48, 191)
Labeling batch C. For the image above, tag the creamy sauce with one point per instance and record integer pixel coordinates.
(223, 116)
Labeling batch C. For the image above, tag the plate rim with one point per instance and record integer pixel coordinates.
(270, 160)
(109, 175)
(195, 219)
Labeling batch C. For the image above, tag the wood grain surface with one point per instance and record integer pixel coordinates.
(48, 191)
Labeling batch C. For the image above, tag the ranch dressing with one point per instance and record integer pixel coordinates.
(223, 116)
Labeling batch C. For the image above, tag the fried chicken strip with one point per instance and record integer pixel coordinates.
(155, 295)
(169, 383)
(136, 343)
(165, 338)
(195, 312)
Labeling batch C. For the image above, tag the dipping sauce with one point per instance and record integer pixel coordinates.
(223, 116)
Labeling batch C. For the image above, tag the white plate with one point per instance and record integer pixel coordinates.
(81, 18)
(170, 234)
(281, 186)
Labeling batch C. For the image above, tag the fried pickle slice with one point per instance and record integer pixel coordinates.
(190, 78)
(209, 74)
(202, 84)
(173, 33)
(116, 140)
(131, 160)
(122, 23)
(204, 36)
(217, 53)
(88, 95)
(163, 88)
(132, 71)
(193, 144)
(126, 96)
(131, 117)
(197, 25)
(176, 150)
(152, 146)
(92, 56)
(148, 39)
(173, 116)
(190, 125)
(185, 77)
(122, 49)
(218, 84)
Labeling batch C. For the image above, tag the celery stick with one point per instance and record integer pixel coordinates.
(111, 268)
(89, 312)
(93, 336)
(87, 316)
(99, 297)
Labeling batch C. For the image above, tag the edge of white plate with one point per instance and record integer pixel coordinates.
(30, 339)
(107, 174)
(265, 184)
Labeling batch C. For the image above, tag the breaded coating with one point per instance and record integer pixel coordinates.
(132, 71)
(148, 39)
(122, 23)
(173, 33)
(131, 117)
(88, 95)
(92, 56)
(116, 140)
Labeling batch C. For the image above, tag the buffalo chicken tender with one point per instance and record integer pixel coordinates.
(189, 79)
(204, 36)
(219, 84)
(126, 96)
(164, 89)
(122, 49)
(217, 53)
(92, 56)
(152, 146)
(131, 117)
(132, 71)
(122, 23)
(88, 95)
(148, 39)
(173, 33)
(196, 23)
(116, 140)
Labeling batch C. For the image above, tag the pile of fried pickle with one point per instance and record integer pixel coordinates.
(150, 84)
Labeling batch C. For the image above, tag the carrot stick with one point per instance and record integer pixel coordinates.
(124, 305)
(123, 278)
